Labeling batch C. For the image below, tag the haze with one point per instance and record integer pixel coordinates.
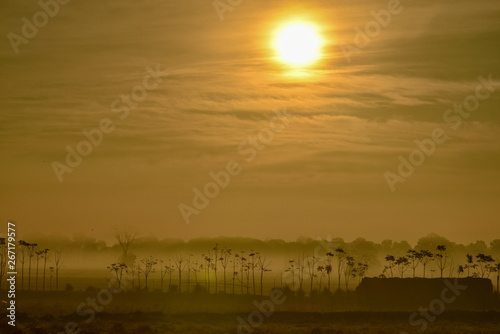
(219, 82)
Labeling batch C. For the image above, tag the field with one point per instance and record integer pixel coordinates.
(44, 313)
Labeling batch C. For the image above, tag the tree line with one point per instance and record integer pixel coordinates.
(29, 255)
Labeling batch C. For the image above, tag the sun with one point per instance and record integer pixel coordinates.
(298, 43)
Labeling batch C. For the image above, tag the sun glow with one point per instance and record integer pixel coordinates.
(298, 43)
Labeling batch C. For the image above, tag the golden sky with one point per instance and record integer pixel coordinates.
(217, 82)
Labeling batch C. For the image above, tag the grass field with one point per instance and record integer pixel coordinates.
(279, 322)
(43, 313)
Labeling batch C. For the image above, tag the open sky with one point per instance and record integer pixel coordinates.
(219, 82)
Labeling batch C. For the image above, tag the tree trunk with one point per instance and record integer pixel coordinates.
(180, 280)
(44, 267)
(36, 276)
(29, 275)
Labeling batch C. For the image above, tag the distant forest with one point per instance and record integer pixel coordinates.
(227, 264)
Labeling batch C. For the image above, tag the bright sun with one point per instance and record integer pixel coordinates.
(298, 43)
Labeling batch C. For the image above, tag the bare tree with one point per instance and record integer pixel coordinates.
(243, 270)
(118, 269)
(262, 264)
(188, 265)
(236, 257)
(208, 261)
(149, 263)
(57, 265)
(180, 265)
(170, 269)
(22, 258)
(45, 255)
(163, 273)
(291, 269)
(31, 253)
(216, 257)
(300, 270)
(224, 260)
(38, 254)
(125, 237)
(131, 270)
(252, 266)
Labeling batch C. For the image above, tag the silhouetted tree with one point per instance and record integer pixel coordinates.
(341, 254)
(460, 270)
(360, 270)
(180, 266)
(188, 266)
(252, 267)
(31, 252)
(329, 267)
(170, 269)
(45, 255)
(300, 270)
(243, 266)
(51, 270)
(311, 268)
(235, 273)
(224, 261)
(21, 258)
(349, 267)
(125, 237)
(321, 271)
(208, 262)
(470, 264)
(216, 257)
(402, 263)
(484, 264)
(118, 269)
(57, 265)
(149, 263)
(390, 259)
(414, 258)
(497, 267)
(263, 265)
(425, 257)
(442, 258)
(38, 254)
